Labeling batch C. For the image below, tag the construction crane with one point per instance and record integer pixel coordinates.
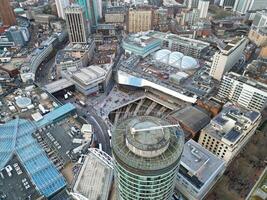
(133, 130)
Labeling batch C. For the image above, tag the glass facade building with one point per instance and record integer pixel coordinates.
(146, 156)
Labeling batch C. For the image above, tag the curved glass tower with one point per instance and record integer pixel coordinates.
(146, 156)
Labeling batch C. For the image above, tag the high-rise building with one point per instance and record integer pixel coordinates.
(244, 91)
(203, 7)
(61, 5)
(191, 3)
(93, 10)
(227, 3)
(227, 57)
(19, 35)
(76, 24)
(258, 30)
(146, 155)
(242, 6)
(6, 13)
(139, 20)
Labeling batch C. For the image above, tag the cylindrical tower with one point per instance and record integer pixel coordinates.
(146, 157)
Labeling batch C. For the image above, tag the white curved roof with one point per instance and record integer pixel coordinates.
(176, 59)
(162, 55)
(189, 63)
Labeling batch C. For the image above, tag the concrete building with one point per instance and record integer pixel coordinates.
(161, 21)
(188, 17)
(6, 13)
(91, 80)
(74, 56)
(76, 24)
(61, 5)
(242, 6)
(244, 91)
(191, 3)
(227, 57)
(229, 131)
(227, 3)
(141, 44)
(187, 46)
(146, 153)
(19, 35)
(203, 7)
(139, 20)
(191, 119)
(115, 15)
(199, 170)
(258, 30)
(94, 180)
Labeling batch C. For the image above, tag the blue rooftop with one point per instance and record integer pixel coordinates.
(16, 139)
(55, 114)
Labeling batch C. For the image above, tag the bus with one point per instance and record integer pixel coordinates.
(100, 146)
(109, 134)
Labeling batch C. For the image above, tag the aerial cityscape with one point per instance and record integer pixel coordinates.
(133, 99)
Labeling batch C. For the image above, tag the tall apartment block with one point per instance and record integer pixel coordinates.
(6, 13)
(76, 24)
(227, 57)
(61, 5)
(258, 30)
(139, 20)
(203, 7)
(146, 158)
(229, 131)
(248, 93)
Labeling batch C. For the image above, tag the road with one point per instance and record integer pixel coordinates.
(100, 128)
(43, 72)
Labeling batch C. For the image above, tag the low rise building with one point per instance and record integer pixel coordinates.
(229, 131)
(187, 46)
(95, 177)
(19, 35)
(141, 44)
(198, 172)
(74, 56)
(92, 79)
(247, 92)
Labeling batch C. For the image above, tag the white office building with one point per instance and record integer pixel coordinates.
(240, 89)
(227, 57)
(61, 5)
(198, 172)
(203, 7)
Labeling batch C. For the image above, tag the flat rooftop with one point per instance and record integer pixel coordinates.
(200, 163)
(231, 123)
(140, 40)
(95, 178)
(58, 85)
(249, 81)
(196, 82)
(191, 117)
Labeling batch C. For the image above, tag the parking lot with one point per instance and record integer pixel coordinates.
(16, 183)
(57, 140)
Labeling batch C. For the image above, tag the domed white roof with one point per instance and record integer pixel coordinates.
(176, 59)
(162, 55)
(188, 63)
